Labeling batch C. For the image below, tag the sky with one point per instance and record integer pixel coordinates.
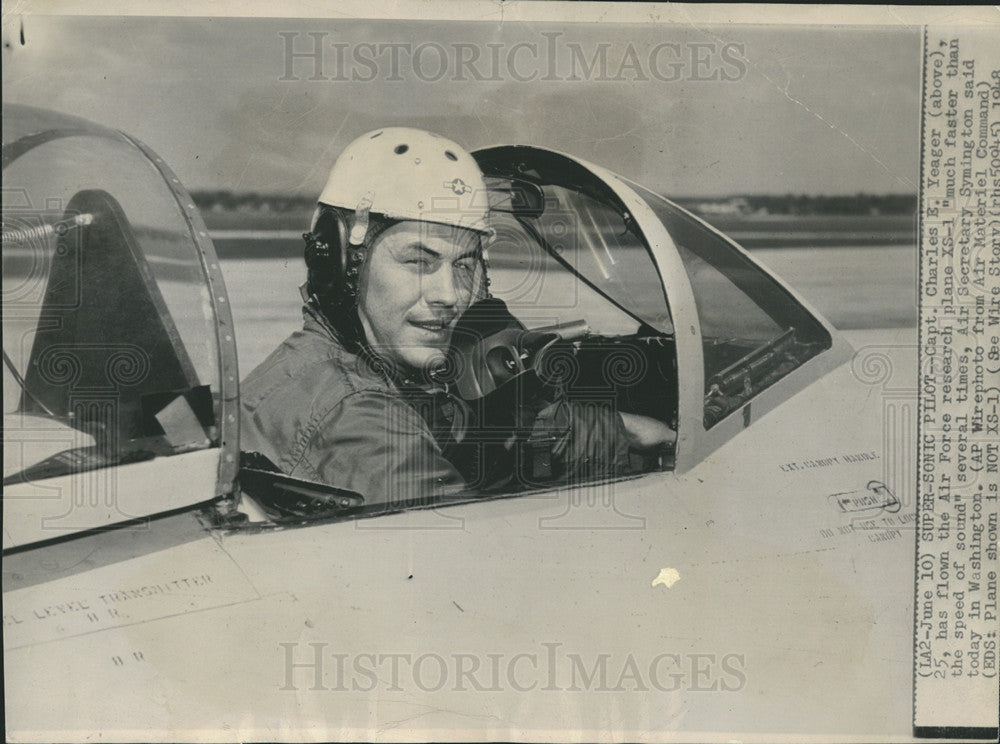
(686, 110)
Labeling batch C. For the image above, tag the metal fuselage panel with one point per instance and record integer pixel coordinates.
(790, 569)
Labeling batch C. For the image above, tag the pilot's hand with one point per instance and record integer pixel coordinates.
(647, 434)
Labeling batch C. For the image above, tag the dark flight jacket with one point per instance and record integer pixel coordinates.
(322, 413)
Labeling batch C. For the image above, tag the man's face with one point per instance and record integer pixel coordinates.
(419, 277)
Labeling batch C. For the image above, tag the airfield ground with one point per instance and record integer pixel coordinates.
(859, 272)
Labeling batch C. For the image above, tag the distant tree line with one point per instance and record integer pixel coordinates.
(854, 204)
(802, 204)
(223, 200)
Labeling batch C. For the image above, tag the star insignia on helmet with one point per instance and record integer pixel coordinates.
(458, 186)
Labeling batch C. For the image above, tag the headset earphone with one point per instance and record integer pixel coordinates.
(332, 271)
(326, 255)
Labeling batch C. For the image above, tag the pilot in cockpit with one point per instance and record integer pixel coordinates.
(367, 396)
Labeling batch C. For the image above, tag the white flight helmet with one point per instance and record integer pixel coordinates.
(408, 174)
